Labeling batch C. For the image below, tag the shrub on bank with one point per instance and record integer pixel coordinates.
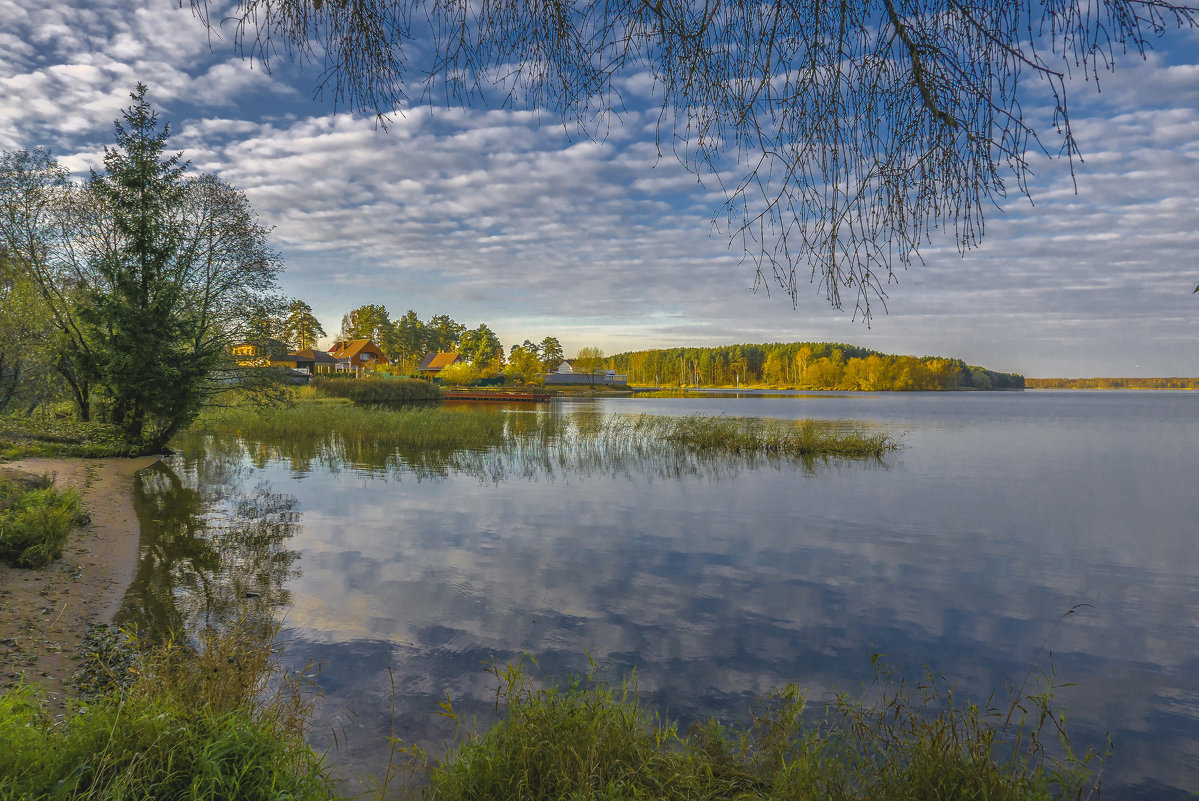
(376, 390)
(35, 520)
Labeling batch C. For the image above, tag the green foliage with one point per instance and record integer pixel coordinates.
(524, 366)
(551, 353)
(149, 275)
(806, 365)
(54, 435)
(460, 374)
(588, 739)
(480, 346)
(35, 520)
(301, 329)
(195, 724)
(375, 390)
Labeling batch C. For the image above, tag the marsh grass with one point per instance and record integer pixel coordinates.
(749, 435)
(35, 519)
(586, 738)
(214, 720)
(376, 390)
(437, 439)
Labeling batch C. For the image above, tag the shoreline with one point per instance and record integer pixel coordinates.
(44, 613)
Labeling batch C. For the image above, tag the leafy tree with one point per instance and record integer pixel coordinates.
(366, 322)
(480, 346)
(410, 337)
(301, 329)
(523, 365)
(551, 353)
(148, 275)
(27, 339)
(860, 128)
(442, 333)
(590, 362)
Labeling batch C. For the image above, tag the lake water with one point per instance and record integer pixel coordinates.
(720, 579)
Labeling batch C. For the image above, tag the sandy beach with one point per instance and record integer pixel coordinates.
(44, 613)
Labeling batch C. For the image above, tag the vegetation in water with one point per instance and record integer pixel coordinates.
(752, 435)
(216, 720)
(589, 739)
(35, 519)
(491, 442)
(805, 365)
(375, 390)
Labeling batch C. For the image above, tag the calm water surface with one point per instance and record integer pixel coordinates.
(718, 580)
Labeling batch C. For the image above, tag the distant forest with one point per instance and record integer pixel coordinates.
(1112, 383)
(805, 365)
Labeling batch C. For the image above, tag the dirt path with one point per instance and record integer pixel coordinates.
(44, 613)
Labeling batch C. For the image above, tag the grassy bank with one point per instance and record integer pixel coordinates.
(214, 722)
(35, 519)
(59, 435)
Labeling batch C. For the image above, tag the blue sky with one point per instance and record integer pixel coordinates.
(498, 216)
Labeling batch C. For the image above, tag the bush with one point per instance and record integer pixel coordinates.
(35, 520)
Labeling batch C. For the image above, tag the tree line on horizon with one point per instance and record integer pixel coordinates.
(805, 365)
(1112, 383)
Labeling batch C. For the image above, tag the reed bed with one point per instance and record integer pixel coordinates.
(749, 435)
(376, 390)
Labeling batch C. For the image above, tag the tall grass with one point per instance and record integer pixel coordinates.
(588, 739)
(197, 723)
(751, 435)
(35, 519)
(376, 390)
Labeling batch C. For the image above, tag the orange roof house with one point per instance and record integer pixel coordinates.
(434, 363)
(357, 354)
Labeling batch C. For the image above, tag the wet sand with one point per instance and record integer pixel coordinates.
(44, 613)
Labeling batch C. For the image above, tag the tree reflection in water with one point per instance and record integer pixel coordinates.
(212, 551)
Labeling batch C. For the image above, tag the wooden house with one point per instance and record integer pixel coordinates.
(434, 363)
(356, 355)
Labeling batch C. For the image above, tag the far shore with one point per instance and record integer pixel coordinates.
(44, 613)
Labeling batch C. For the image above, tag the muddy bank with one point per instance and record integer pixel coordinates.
(44, 613)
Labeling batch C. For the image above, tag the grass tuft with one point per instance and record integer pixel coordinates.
(35, 519)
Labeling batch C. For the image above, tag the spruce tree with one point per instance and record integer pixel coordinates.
(138, 325)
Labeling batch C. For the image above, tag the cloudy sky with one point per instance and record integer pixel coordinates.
(498, 216)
